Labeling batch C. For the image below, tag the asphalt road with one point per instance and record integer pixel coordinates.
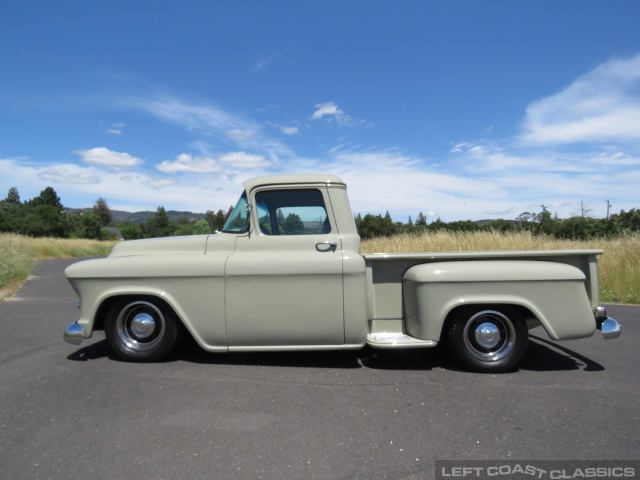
(71, 412)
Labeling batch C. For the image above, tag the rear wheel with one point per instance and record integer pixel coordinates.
(142, 330)
(488, 340)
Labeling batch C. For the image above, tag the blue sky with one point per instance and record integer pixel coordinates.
(457, 109)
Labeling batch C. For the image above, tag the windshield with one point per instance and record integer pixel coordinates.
(238, 221)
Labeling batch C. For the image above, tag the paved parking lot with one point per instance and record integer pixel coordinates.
(77, 412)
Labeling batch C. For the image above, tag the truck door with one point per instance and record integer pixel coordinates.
(283, 283)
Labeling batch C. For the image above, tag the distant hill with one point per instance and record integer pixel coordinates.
(119, 217)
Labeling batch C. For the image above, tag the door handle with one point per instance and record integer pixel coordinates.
(325, 244)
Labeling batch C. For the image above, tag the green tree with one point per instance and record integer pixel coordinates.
(91, 225)
(627, 221)
(101, 209)
(183, 229)
(159, 225)
(48, 196)
(499, 225)
(210, 217)
(13, 196)
(12, 216)
(130, 231)
(371, 226)
(219, 220)
(201, 227)
(546, 222)
(45, 221)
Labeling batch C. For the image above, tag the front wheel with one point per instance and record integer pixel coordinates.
(142, 330)
(488, 340)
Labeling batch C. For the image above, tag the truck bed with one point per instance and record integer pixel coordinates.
(385, 272)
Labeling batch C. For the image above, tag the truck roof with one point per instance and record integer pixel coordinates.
(309, 178)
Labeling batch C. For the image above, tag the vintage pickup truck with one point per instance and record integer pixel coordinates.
(286, 273)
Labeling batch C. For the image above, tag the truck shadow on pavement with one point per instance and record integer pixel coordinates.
(542, 356)
(545, 355)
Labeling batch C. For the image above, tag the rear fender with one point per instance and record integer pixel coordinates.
(554, 293)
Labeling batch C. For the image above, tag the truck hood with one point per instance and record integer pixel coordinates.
(157, 257)
(192, 244)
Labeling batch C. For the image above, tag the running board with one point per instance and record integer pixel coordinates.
(397, 340)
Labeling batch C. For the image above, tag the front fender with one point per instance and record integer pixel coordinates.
(192, 285)
(553, 292)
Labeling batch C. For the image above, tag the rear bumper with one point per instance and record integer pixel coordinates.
(73, 334)
(609, 326)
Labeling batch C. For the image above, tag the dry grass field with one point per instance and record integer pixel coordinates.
(619, 266)
(19, 254)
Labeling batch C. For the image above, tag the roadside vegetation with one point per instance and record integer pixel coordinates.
(18, 255)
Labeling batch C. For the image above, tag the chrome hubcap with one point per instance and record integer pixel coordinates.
(140, 326)
(487, 335)
(143, 325)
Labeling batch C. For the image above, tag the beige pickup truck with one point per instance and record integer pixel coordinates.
(286, 273)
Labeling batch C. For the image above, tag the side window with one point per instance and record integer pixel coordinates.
(292, 212)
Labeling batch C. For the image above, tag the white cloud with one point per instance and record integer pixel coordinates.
(210, 121)
(483, 181)
(241, 135)
(619, 159)
(326, 109)
(104, 157)
(206, 118)
(69, 174)
(602, 105)
(187, 163)
(333, 112)
(290, 130)
(190, 164)
(158, 183)
(244, 161)
(116, 129)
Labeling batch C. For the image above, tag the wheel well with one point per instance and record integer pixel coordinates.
(108, 303)
(526, 314)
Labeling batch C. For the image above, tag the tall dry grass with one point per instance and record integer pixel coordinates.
(18, 255)
(619, 267)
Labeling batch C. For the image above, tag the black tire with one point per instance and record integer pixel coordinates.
(142, 329)
(487, 339)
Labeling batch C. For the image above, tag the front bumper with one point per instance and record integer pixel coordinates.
(73, 334)
(609, 326)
